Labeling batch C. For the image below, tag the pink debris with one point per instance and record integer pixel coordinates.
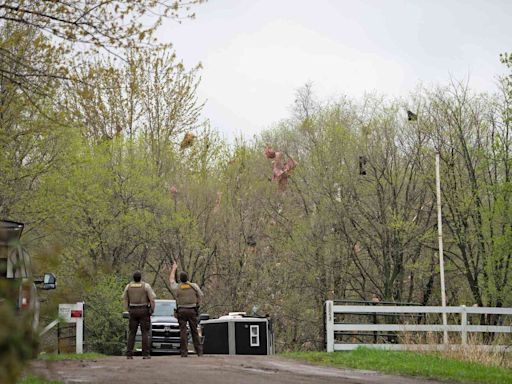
(277, 166)
(269, 152)
(188, 140)
(280, 169)
(217, 202)
(290, 165)
(173, 190)
(282, 183)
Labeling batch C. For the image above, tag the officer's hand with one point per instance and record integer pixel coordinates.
(174, 265)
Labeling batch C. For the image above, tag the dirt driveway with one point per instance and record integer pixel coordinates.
(207, 369)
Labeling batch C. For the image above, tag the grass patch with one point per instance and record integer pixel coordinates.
(37, 380)
(409, 363)
(70, 356)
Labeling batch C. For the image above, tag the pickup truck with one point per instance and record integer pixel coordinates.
(165, 331)
(18, 285)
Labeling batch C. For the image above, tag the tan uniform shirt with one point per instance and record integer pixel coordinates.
(188, 295)
(138, 294)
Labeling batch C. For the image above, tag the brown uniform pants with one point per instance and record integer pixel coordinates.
(188, 315)
(139, 316)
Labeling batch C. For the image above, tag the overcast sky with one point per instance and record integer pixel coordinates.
(256, 54)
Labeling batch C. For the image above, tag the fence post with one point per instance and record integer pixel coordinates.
(80, 328)
(463, 324)
(329, 325)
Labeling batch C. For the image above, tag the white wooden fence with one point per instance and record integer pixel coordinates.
(331, 310)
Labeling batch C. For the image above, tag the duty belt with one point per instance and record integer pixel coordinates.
(139, 305)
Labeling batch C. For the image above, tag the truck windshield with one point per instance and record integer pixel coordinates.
(14, 260)
(14, 263)
(164, 308)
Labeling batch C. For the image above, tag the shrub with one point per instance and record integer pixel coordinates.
(105, 326)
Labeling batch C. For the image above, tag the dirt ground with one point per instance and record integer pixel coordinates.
(214, 369)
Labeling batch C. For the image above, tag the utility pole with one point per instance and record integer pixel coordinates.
(440, 238)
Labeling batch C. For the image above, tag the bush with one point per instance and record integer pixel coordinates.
(105, 326)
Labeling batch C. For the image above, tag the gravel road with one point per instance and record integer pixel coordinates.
(212, 369)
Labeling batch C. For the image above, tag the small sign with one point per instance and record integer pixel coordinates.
(65, 311)
(71, 312)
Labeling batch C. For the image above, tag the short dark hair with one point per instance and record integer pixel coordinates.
(137, 276)
(183, 276)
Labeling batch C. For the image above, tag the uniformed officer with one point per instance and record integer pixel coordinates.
(139, 300)
(188, 298)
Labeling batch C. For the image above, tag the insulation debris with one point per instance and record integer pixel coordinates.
(269, 152)
(187, 141)
(173, 190)
(217, 202)
(281, 169)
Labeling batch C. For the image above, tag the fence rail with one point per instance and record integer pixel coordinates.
(331, 326)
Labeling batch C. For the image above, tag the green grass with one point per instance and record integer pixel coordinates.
(70, 356)
(409, 363)
(37, 380)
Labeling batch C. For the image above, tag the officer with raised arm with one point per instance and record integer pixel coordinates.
(139, 301)
(188, 298)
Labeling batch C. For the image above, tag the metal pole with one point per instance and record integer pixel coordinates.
(440, 238)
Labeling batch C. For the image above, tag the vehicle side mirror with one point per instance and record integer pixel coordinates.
(204, 316)
(49, 281)
(126, 315)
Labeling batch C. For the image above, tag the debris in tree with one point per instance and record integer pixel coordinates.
(281, 170)
(411, 116)
(282, 182)
(188, 140)
(251, 241)
(269, 152)
(277, 167)
(289, 165)
(217, 202)
(362, 165)
(357, 248)
(174, 191)
(337, 192)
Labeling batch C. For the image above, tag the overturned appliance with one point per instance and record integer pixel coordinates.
(238, 334)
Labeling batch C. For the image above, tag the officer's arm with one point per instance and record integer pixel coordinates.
(151, 297)
(199, 294)
(126, 302)
(172, 275)
(172, 278)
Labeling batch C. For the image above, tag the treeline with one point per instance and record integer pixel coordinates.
(112, 170)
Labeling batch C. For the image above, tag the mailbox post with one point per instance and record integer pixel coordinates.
(74, 313)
